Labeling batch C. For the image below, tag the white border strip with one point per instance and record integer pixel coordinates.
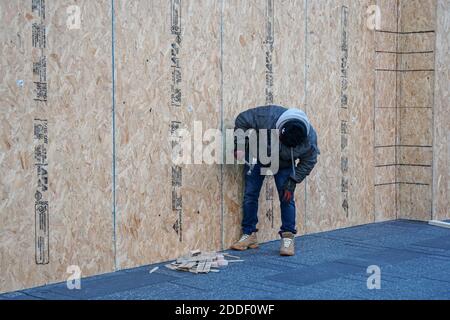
(438, 223)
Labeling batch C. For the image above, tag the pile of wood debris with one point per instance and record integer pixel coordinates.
(202, 262)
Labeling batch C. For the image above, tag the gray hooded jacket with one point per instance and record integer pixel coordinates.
(273, 117)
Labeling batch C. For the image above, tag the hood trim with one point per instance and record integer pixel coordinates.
(293, 114)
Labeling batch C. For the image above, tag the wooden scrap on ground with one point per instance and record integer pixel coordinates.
(154, 269)
(201, 262)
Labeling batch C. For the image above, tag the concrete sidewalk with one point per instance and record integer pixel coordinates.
(414, 258)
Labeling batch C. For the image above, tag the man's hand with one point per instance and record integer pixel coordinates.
(289, 188)
(239, 154)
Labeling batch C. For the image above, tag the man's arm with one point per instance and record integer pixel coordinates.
(246, 120)
(307, 163)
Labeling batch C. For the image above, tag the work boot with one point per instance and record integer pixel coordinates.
(287, 244)
(247, 241)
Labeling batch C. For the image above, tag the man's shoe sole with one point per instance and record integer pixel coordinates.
(252, 246)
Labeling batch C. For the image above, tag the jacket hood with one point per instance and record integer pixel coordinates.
(293, 114)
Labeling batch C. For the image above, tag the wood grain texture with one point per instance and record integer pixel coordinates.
(441, 150)
(78, 113)
(396, 132)
(243, 88)
(148, 229)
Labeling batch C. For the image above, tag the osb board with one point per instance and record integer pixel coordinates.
(148, 229)
(388, 11)
(385, 121)
(243, 88)
(414, 174)
(78, 150)
(414, 202)
(386, 61)
(289, 80)
(384, 156)
(385, 88)
(324, 195)
(324, 210)
(421, 61)
(384, 174)
(385, 202)
(416, 89)
(417, 15)
(415, 155)
(415, 114)
(416, 42)
(441, 144)
(361, 118)
(415, 127)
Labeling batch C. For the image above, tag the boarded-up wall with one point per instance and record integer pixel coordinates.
(340, 190)
(415, 74)
(150, 55)
(55, 150)
(441, 141)
(183, 63)
(385, 111)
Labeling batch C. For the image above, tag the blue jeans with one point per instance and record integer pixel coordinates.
(253, 185)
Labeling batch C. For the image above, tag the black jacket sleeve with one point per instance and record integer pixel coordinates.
(246, 120)
(308, 160)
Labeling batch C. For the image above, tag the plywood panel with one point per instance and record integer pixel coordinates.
(16, 149)
(416, 89)
(329, 72)
(324, 203)
(289, 81)
(151, 227)
(414, 174)
(385, 89)
(416, 42)
(339, 33)
(414, 202)
(385, 123)
(74, 104)
(361, 117)
(388, 10)
(384, 156)
(417, 15)
(386, 41)
(243, 87)
(421, 61)
(441, 150)
(415, 155)
(415, 127)
(384, 174)
(386, 61)
(385, 198)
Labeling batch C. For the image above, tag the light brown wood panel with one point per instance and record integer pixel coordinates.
(77, 113)
(324, 210)
(441, 143)
(150, 228)
(243, 87)
(289, 79)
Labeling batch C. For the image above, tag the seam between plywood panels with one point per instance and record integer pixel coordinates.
(305, 67)
(433, 163)
(222, 222)
(397, 142)
(113, 114)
